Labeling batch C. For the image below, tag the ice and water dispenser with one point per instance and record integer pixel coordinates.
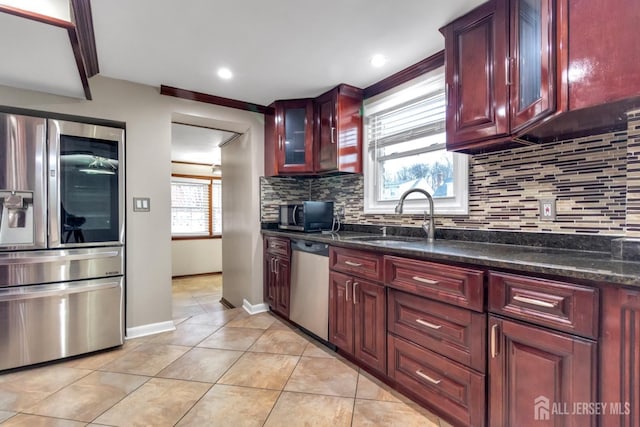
(22, 148)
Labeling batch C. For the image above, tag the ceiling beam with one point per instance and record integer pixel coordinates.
(216, 100)
(83, 20)
(71, 31)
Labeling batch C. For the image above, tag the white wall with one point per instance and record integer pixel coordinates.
(200, 255)
(196, 256)
(148, 116)
(242, 165)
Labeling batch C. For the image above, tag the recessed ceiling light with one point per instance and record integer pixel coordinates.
(378, 60)
(225, 73)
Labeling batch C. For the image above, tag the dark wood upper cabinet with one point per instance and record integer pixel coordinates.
(315, 136)
(338, 121)
(532, 71)
(501, 65)
(531, 63)
(289, 138)
(477, 96)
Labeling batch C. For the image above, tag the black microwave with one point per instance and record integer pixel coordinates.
(306, 216)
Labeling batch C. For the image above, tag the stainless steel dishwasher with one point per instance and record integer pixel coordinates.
(309, 305)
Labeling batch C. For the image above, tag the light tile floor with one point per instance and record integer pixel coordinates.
(218, 368)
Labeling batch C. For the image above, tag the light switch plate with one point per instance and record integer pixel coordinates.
(141, 204)
(547, 209)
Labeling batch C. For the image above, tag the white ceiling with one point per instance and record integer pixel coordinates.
(196, 144)
(277, 49)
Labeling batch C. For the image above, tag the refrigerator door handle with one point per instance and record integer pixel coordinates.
(44, 291)
(53, 258)
(54, 184)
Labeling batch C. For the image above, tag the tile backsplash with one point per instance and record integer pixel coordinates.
(588, 177)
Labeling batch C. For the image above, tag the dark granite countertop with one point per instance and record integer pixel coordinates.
(592, 266)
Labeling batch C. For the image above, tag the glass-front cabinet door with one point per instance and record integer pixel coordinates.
(295, 138)
(532, 61)
(86, 174)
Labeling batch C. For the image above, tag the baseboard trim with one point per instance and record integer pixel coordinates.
(226, 303)
(254, 309)
(150, 329)
(185, 276)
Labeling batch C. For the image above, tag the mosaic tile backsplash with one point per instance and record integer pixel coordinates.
(595, 181)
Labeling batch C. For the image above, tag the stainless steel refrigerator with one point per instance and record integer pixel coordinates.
(61, 238)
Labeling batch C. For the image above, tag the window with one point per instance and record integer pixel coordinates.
(405, 138)
(196, 208)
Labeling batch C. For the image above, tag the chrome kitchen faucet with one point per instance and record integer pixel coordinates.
(428, 226)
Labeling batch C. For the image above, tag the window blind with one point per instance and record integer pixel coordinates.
(412, 120)
(190, 206)
(216, 196)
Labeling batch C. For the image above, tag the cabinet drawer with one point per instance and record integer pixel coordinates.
(362, 264)
(443, 385)
(454, 332)
(564, 306)
(277, 245)
(455, 285)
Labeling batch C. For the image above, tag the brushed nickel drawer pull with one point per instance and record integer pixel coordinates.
(534, 301)
(353, 264)
(427, 377)
(346, 290)
(355, 285)
(494, 341)
(427, 324)
(423, 280)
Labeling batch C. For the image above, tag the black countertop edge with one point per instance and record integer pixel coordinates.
(593, 266)
(582, 242)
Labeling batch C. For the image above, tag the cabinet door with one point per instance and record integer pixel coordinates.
(537, 376)
(477, 95)
(338, 115)
(341, 311)
(270, 284)
(620, 355)
(294, 123)
(283, 291)
(532, 62)
(327, 150)
(369, 304)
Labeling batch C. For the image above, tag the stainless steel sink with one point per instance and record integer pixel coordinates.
(387, 240)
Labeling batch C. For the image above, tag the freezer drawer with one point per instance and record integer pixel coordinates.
(47, 322)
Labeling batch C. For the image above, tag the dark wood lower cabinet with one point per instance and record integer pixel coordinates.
(539, 377)
(357, 319)
(453, 390)
(277, 274)
(620, 356)
(277, 283)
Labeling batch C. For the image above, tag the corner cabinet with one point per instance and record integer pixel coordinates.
(315, 136)
(289, 138)
(277, 274)
(338, 123)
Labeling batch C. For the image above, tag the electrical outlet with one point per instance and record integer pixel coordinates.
(341, 211)
(547, 209)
